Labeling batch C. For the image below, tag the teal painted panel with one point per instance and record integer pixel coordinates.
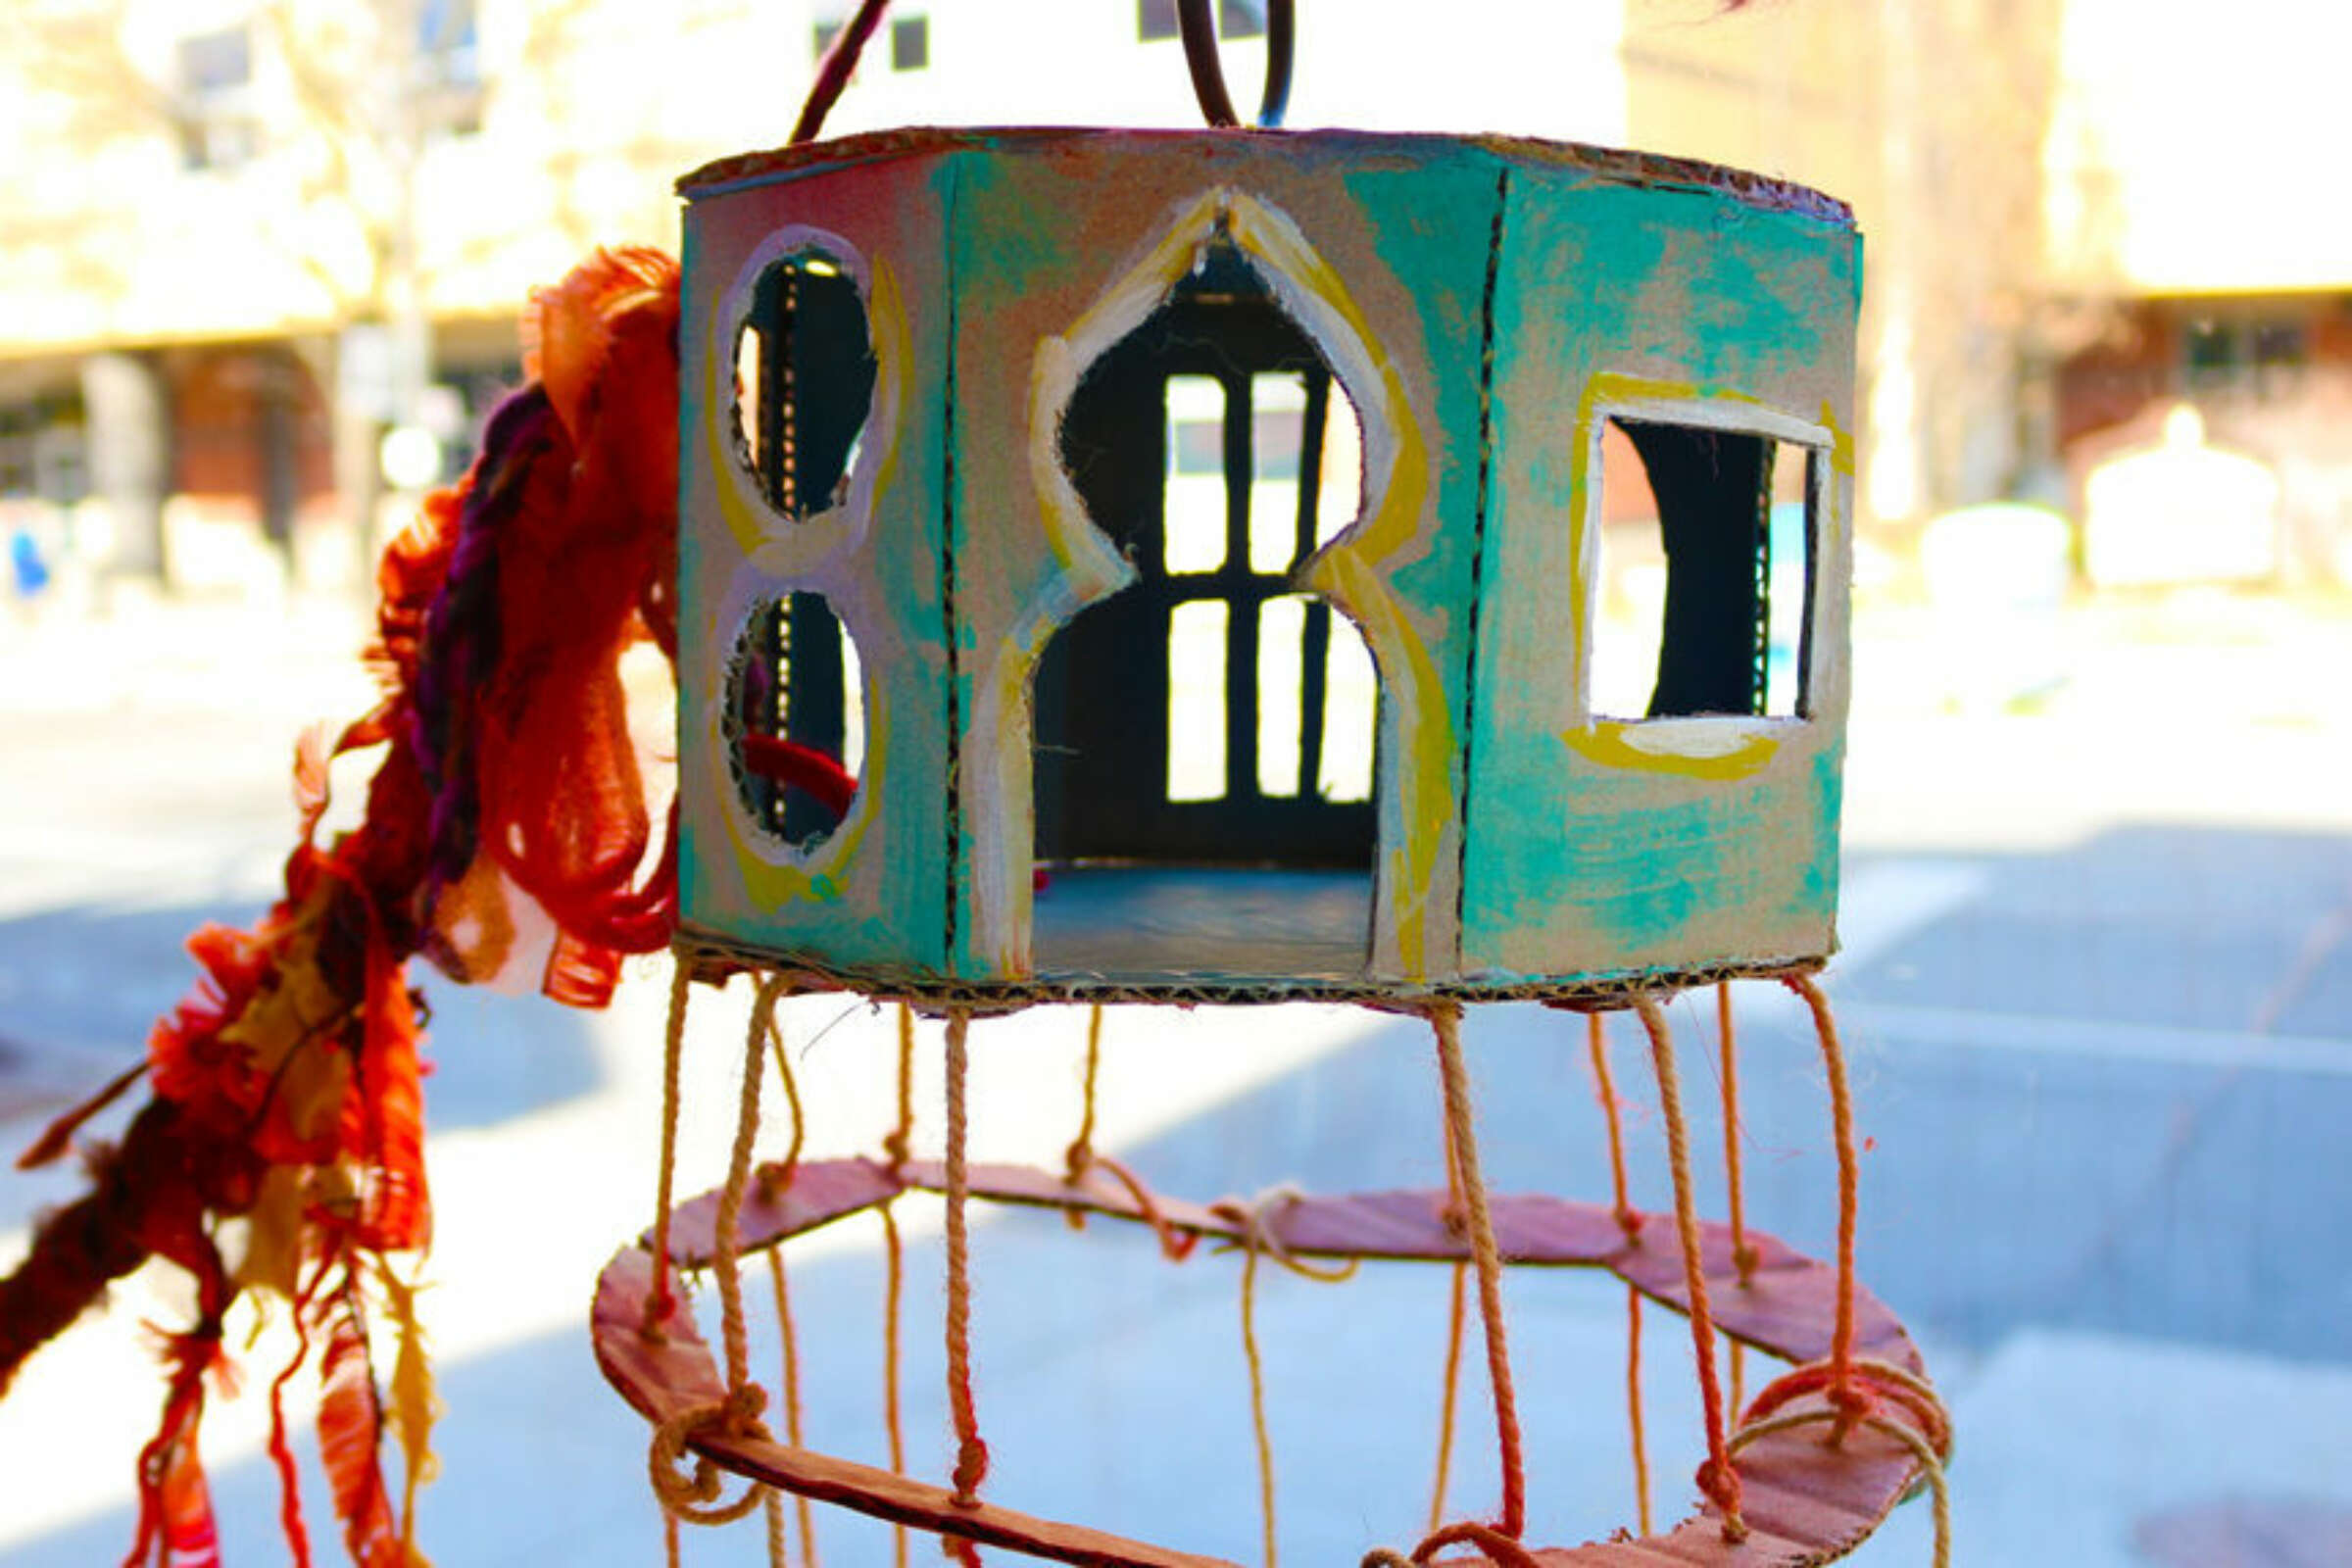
(874, 895)
(1517, 841)
(1622, 852)
(1058, 251)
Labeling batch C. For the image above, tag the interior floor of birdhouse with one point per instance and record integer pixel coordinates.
(1214, 923)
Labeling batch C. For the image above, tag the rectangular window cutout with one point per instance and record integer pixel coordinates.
(1236, 18)
(1194, 502)
(853, 706)
(1197, 699)
(1242, 19)
(448, 42)
(213, 108)
(1351, 707)
(212, 62)
(1341, 492)
(1788, 579)
(1704, 573)
(910, 43)
(1281, 694)
(1277, 432)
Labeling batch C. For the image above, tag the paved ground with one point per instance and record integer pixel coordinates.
(2098, 979)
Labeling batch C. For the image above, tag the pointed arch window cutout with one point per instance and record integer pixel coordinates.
(1703, 570)
(1208, 727)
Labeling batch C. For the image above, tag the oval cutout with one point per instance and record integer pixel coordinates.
(803, 382)
(795, 721)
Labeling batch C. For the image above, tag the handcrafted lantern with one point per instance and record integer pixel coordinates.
(1196, 534)
(1113, 566)
(1164, 567)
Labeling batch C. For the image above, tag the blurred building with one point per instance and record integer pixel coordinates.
(2080, 215)
(245, 237)
(2196, 191)
(1931, 121)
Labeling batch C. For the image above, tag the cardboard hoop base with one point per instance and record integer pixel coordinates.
(1806, 1503)
(714, 960)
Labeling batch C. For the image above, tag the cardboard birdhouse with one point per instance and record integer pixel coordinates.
(1193, 560)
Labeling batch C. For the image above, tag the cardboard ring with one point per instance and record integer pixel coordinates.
(1804, 1502)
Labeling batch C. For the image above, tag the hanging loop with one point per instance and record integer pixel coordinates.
(833, 72)
(1200, 32)
(1194, 21)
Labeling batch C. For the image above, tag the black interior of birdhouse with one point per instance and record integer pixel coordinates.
(1706, 572)
(1203, 765)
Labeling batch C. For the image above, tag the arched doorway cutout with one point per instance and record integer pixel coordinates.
(1204, 768)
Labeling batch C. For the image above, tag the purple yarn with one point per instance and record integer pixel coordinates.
(460, 643)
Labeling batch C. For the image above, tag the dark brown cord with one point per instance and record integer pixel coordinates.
(1194, 20)
(1200, 31)
(834, 71)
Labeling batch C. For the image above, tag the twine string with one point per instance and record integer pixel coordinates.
(776, 1175)
(1881, 1380)
(1604, 1089)
(729, 1240)
(1744, 1255)
(898, 1143)
(789, 1335)
(673, 1046)
(778, 1556)
(1448, 1394)
(1636, 1426)
(971, 1453)
(1445, 1019)
(894, 1288)
(690, 1494)
(1081, 1152)
(1258, 1240)
(1604, 1085)
(1846, 1392)
(1175, 1242)
(1505, 1550)
(1927, 1433)
(1718, 1480)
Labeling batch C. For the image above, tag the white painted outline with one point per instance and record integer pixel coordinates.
(1700, 736)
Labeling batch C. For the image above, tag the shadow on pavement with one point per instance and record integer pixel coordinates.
(2006, 1187)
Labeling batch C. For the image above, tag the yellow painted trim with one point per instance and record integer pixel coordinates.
(774, 874)
(1351, 571)
(1618, 743)
(1841, 441)
(1615, 387)
(746, 524)
(756, 528)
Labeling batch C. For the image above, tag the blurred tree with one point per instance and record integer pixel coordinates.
(307, 123)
